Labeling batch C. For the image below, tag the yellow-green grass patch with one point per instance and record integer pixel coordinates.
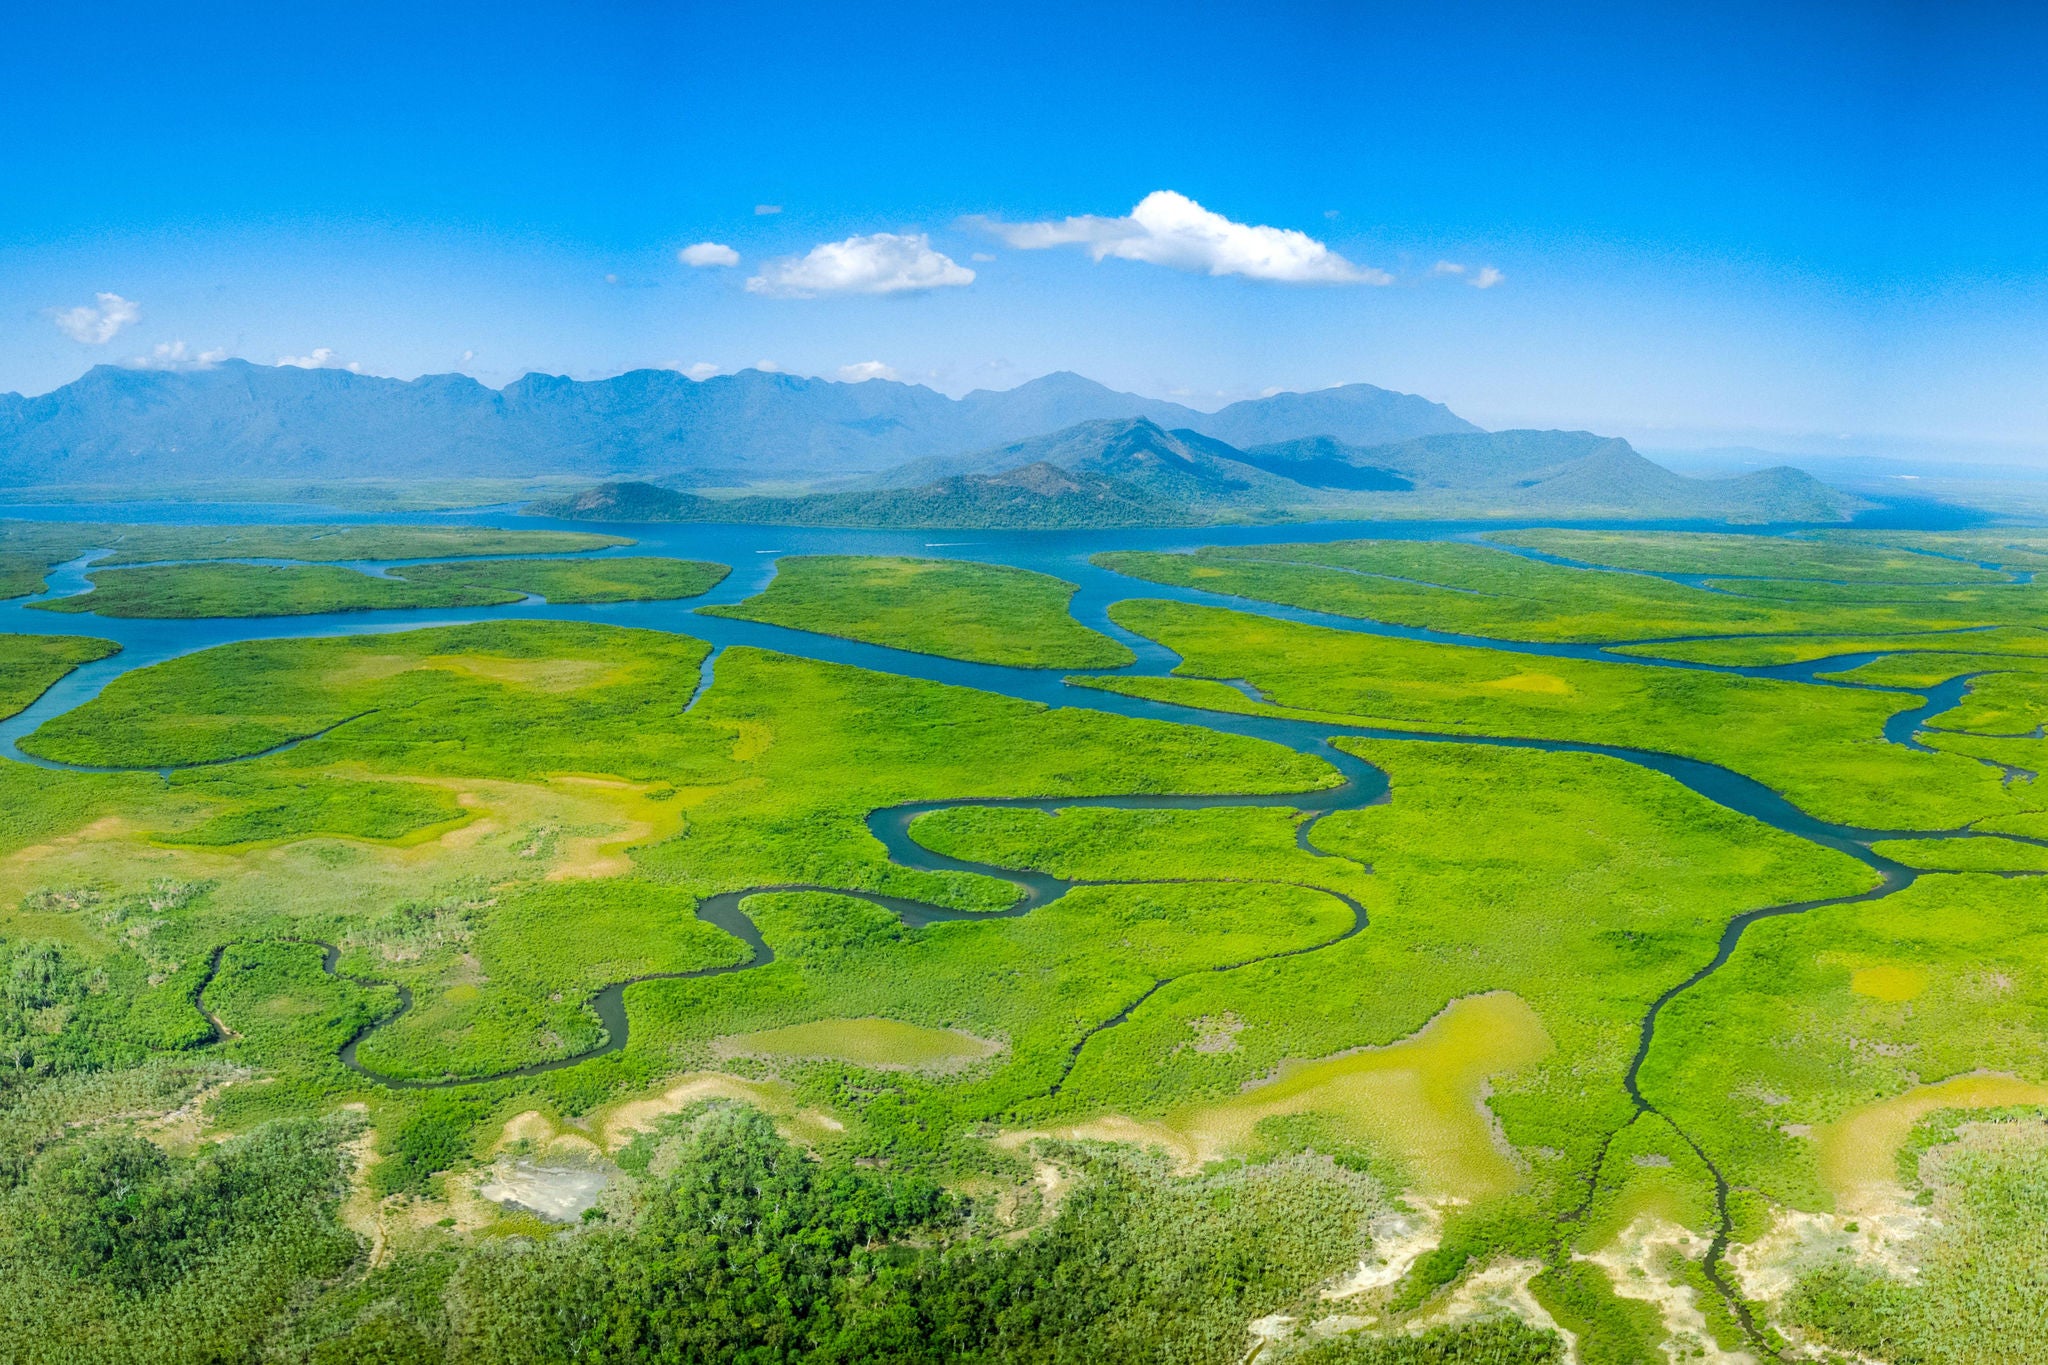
(544, 675)
(1420, 1101)
(1858, 1152)
(1889, 983)
(877, 1044)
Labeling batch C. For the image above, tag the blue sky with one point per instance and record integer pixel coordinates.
(1811, 227)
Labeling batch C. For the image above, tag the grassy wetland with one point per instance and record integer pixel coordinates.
(29, 549)
(1649, 967)
(177, 591)
(985, 613)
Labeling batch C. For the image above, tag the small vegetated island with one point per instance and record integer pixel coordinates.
(984, 613)
(1604, 946)
(28, 549)
(201, 590)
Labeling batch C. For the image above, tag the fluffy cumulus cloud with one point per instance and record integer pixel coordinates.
(879, 263)
(700, 371)
(176, 355)
(322, 358)
(1173, 230)
(96, 323)
(864, 370)
(705, 254)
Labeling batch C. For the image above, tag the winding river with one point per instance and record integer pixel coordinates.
(752, 551)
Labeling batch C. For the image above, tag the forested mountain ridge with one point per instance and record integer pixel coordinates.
(236, 420)
(1133, 472)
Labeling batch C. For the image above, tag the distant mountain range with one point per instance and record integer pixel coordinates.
(260, 422)
(1058, 451)
(1132, 471)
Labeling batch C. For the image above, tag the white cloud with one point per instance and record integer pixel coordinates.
(763, 210)
(1173, 230)
(981, 257)
(176, 355)
(708, 254)
(96, 326)
(322, 358)
(880, 263)
(766, 367)
(1486, 277)
(468, 356)
(865, 370)
(1447, 268)
(701, 371)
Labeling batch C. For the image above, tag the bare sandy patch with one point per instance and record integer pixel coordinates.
(1495, 1290)
(1400, 1237)
(638, 814)
(1637, 1262)
(558, 1191)
(1883, 1239)
(620, 1123)
(534, 1133)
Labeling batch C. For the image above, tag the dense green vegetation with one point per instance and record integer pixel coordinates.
(1820, 746)
(1939, 980)
(2013, 547)
(986, 613)
(28, 548)
(766, 768)
(1482, 590)
(30, 663)
(1240, 1083)
(1831, 557)
(625, 579)
(111, 1250)
(745, 1249)
(2002, 641)
(1977, 1296)
(192, 590)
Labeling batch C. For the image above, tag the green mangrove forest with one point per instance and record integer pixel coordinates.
(466, 943)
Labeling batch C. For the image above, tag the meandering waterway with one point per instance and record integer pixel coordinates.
(753, 552)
